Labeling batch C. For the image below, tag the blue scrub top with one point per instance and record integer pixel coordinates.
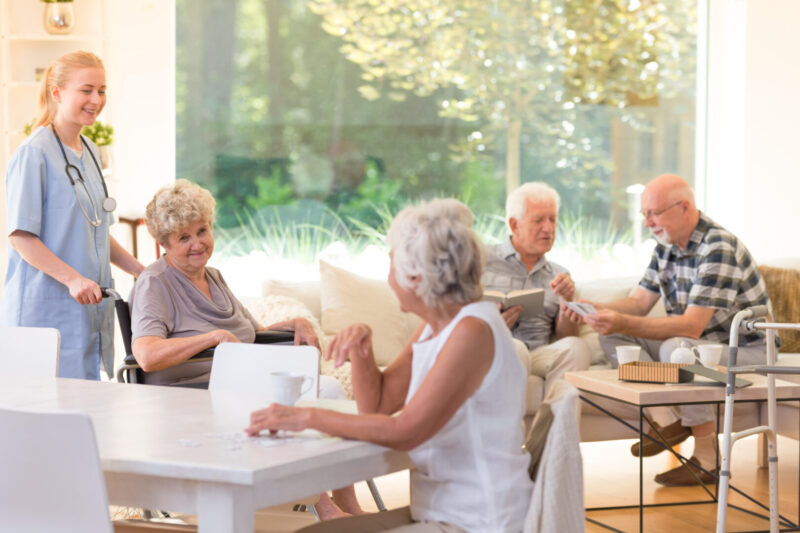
(41, 200)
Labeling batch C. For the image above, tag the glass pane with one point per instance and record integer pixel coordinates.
(314, 121)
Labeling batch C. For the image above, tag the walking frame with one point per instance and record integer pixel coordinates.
(749, 320)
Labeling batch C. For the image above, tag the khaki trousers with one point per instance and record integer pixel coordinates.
(397, 521)
(551, 361)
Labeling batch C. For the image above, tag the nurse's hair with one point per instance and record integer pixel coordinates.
(176, 206)
(434, 247)
(57, 75)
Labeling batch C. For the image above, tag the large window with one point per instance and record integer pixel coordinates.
(314, 121)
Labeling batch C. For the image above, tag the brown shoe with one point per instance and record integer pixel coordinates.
(674, 434)
(681, 476)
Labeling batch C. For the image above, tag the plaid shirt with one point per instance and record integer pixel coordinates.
(715, 271)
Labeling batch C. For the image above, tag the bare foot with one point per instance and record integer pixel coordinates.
(345, 499)
(327, 510)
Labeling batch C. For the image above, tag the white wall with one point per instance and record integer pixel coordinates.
(753, 182)
(140, 60)
(140, 63)
(139, 55)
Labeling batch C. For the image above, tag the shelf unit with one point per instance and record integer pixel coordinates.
(26, 46)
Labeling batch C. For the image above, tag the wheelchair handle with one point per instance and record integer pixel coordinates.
(108, 292)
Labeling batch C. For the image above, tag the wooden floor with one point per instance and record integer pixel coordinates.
(611, 477)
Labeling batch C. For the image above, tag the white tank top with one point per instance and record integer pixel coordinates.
(474, 473)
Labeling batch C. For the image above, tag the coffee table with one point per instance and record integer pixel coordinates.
(604, 383)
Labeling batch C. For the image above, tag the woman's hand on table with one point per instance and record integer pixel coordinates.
(352, 341)
(277, 417)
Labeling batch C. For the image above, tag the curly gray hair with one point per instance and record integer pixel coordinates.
(176, 206)
(435, 241)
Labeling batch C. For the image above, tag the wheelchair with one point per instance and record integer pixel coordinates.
(130, 371)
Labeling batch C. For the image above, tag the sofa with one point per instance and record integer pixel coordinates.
(341, 297)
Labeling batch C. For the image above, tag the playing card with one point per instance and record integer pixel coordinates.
(582, 308)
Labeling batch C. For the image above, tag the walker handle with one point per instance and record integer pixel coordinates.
(758, 310)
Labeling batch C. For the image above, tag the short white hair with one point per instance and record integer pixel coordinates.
(536, 192)
(434, 242)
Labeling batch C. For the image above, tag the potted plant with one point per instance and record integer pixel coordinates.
(102, 135)
(59, 17)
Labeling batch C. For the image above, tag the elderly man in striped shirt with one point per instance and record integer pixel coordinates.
(704, 275)
(520, 262)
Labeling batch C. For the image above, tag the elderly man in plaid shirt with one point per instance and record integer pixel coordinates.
(704, 275)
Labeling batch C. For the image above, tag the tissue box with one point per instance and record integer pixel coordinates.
(655, 372)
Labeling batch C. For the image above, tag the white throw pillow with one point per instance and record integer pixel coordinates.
(305, 291)
(347, 298)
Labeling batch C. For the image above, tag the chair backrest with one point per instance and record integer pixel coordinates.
(29, 351)
(557, 498)
(51, 476)
(245, 368)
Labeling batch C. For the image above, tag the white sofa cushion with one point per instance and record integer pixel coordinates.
(347, 298)
(307, 292)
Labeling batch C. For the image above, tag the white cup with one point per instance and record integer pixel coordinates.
(628, 354)
(709, 354)
(285, 388)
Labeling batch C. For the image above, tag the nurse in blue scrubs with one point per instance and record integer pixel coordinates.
(59, 214)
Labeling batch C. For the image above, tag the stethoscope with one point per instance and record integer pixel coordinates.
(109, 204)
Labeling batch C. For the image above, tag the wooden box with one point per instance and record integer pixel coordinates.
(655, 372)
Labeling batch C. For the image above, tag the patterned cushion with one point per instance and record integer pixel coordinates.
(783, 285)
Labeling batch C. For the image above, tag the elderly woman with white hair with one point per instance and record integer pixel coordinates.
(453, 398)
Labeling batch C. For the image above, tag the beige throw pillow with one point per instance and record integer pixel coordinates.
(347, 298)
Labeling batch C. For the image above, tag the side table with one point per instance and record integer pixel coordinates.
(604, 383)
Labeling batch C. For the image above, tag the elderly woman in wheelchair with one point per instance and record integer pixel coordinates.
(453, 397)
(180, 306)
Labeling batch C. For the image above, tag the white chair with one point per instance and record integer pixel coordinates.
(245, 368)
(44, 457)
(51, 476)
(29, 351)
(557, 498)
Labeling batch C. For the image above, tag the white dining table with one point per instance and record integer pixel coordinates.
(183, 450)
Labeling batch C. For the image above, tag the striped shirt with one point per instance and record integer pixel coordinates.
(715, 271)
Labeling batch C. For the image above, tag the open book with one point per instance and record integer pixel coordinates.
(531, 299)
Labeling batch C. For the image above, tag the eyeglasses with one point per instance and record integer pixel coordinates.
(653, 214)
